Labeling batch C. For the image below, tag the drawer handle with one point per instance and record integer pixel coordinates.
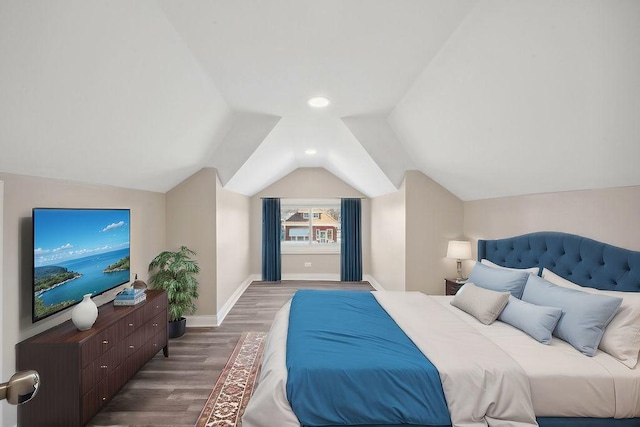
(157, 306)
(155, 345)
(105, 342)
(103, 366)
(131, 325)
(130, 346)
(104, 398)
(155, 324)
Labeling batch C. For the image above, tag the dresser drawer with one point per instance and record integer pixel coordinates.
(135, 362)
(94, 400)
(100, 368)
(117, 379)
(152, 327)
(133, 321)
(156, 343)
(99, 344)
(134, 342)
(153, 307)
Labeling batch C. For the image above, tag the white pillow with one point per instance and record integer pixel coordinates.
(483, 304)
(532, 270)
(621, 337)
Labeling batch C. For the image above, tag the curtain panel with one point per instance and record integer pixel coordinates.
(271, 261)
(351, 246)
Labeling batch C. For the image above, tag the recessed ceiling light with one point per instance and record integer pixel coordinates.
(319, 101)
(310, 151)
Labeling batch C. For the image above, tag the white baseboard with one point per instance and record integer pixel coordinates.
(234, 298)
(312, 276)
(201, 321)
(369, 278)
(208, 320)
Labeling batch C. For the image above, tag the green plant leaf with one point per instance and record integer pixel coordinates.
(175, 272)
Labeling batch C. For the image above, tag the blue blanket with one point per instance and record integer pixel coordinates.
(349, 363)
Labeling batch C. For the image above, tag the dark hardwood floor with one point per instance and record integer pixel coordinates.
(172, 391)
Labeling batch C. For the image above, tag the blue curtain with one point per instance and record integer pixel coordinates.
(351, 249)
(271, 263)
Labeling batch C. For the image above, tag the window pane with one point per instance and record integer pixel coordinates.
(294, 225)
(315, 228)
(326, 225)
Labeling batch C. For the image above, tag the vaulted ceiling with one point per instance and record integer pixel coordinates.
(489, 98)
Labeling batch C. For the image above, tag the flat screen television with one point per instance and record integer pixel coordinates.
(77, 252)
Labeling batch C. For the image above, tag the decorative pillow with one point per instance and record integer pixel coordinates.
(499, 279)
(536, 320)
(584, 316)
(532, 270)
(621, 338)
(483, 304)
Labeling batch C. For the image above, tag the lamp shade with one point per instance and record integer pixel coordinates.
(459, 249)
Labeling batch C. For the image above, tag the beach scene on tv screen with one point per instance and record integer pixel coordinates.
(77, 252)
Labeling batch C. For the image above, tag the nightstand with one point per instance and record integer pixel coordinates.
(451, 287)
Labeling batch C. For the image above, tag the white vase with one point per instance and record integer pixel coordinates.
(85, 313)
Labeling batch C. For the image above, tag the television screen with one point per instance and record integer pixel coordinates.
(77, 252)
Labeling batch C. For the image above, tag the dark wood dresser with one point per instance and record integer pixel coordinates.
(81, 371)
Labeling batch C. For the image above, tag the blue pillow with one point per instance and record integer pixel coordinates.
(498, 279)
(536, 320)
(584, 316)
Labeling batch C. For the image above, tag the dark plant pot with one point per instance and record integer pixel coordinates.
(176, 328)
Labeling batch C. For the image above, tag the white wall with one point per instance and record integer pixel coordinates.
(191, 222)
(214, 223)
(409, 234)
(388, 240)
(21, 194)
(608, 215)
(434, 216)
(232, 242)
(308, 183)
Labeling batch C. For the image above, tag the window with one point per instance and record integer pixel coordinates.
(310, 226)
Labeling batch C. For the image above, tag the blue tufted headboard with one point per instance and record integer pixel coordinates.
(581, 260)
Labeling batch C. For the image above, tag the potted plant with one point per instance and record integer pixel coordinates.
(174, 272)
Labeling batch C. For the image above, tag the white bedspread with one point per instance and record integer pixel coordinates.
(488, 388)
(564, 382)
(269, 407)
(558, 380)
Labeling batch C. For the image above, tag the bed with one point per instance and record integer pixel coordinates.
(524, 382)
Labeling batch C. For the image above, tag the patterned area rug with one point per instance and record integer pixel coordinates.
(235, 384)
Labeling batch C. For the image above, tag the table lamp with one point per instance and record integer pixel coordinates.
(459, 250)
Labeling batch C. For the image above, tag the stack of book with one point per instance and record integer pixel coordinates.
(130, 296)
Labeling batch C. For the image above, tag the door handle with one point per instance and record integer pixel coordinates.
(20, 388)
